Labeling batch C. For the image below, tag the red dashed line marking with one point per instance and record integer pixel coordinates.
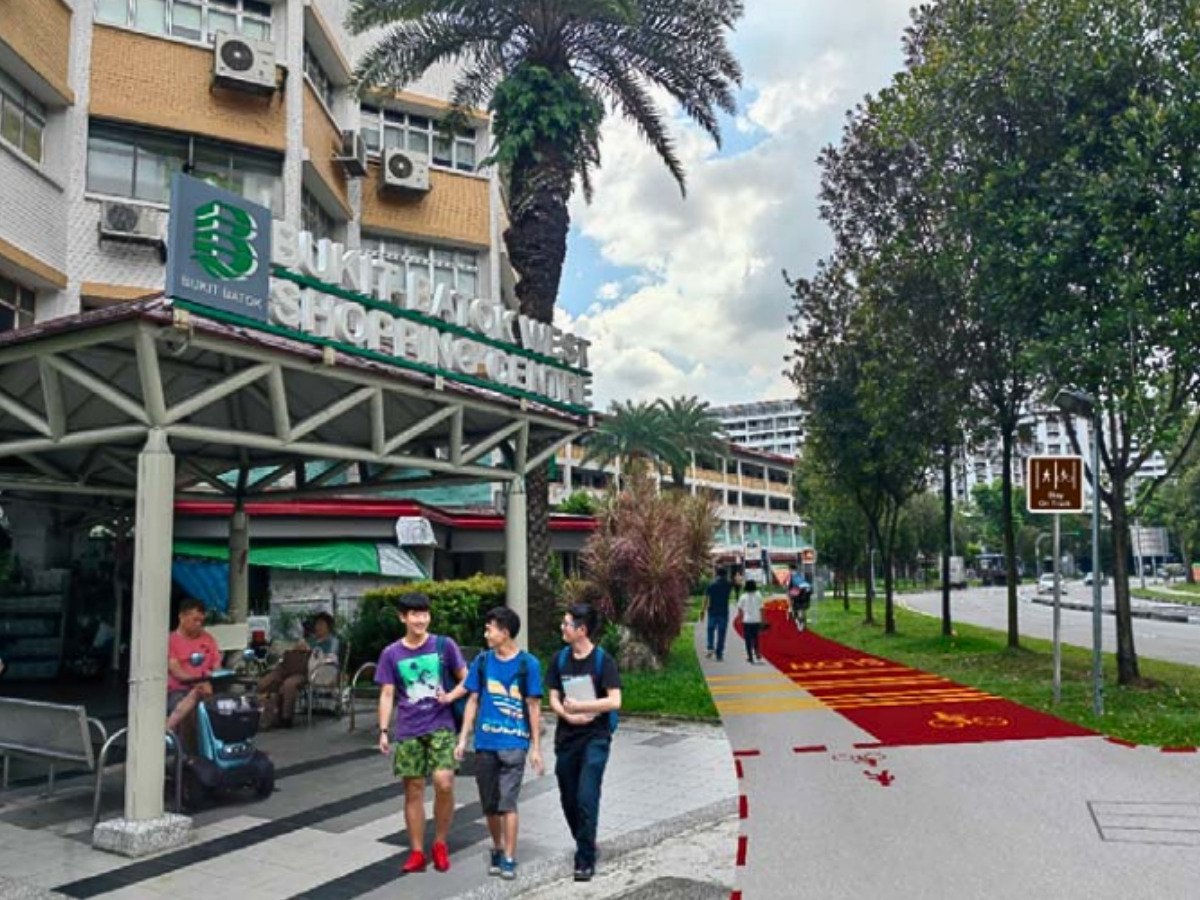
(747, 753)
(1121, 742)
(1178, 749)
(866, 744)
(813, 748)
(743, 807)
(737, 767)
(735, 895)
(741, 851)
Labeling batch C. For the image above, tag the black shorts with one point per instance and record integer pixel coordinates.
(498, 774)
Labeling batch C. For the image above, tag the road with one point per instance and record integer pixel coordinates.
(846, 793)
(1171, 641)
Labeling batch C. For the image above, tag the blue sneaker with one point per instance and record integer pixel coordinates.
(508, 869)
(495, 861)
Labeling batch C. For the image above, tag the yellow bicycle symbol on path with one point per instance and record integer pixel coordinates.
(958, 720)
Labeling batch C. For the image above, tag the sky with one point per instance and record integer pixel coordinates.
(685, 296)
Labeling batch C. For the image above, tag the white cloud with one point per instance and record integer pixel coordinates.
(706, 311)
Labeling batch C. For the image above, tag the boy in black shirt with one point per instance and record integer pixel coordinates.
(585, 690)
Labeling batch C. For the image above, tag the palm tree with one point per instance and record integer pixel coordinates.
(633, 435)
(549, 71)
(693, 429)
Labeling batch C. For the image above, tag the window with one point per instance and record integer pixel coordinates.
(124, 161)
(22, 119)
(391, 128)
(320, 79)
(457, 269)
(313, 217)
(195, 20)
(16, 305)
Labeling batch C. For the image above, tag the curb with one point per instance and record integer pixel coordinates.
(1178, 748)
(1183, 615)
(546, 871)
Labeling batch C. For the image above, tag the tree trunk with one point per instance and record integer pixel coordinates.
(889, 581)
(536, 239)
(869, 618)
(948, 537)
(1010, 542)
(1127, 662)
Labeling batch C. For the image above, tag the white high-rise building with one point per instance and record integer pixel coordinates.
(773, 426)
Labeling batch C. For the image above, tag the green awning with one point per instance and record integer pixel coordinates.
(348, 557)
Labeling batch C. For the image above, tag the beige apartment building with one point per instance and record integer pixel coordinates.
(102, 101)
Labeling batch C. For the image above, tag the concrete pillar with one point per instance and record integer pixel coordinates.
(239, 565)
(151, 626)
(144, 828)
(516, 557)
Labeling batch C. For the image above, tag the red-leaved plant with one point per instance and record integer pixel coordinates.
(646, 555)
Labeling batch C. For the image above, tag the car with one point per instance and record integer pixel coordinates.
(1087, 579)
(1046, 584)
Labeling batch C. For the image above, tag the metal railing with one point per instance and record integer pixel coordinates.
(176, 748)
(354, 689)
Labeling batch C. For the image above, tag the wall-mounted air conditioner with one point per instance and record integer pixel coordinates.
(353, 155)
(131, 224)
(242, 64)
(405, 170)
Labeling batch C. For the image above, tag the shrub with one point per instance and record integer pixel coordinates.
(580, 503)
(457, 609)
(644, 557)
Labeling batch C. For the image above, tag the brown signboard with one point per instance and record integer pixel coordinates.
(1054, 484)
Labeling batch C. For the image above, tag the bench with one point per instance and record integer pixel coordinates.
(51, 731)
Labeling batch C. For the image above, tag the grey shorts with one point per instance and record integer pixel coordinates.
(498, 774)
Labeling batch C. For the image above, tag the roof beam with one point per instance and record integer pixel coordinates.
(477, 450)
(331, 412)
(103, 390)
(210, 395)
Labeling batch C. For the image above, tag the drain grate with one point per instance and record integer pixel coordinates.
(1141, 822)
(668, 888)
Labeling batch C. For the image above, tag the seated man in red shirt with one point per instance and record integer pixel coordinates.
(186, 680)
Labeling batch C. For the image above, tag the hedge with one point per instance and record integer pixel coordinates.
(457, 608)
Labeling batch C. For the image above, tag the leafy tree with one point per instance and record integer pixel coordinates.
(549, 70)
(692, 428)
(838, 522)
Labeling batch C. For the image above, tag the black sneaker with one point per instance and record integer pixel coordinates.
(495, 859)
(584, 873)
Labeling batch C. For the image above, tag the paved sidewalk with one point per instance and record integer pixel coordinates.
(334, 827)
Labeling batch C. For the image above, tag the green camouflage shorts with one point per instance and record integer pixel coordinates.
(424, 755)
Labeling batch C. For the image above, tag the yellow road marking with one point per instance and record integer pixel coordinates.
(871, 682)
(752, 689)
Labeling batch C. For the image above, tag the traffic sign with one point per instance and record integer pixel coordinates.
(1054, 484)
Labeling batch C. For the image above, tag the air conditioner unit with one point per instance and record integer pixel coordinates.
(242, 64)
(131, 224)
(405, 170)
(353, 156)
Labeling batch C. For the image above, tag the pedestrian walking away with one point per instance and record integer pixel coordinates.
(749, 608)
(422, 739)
(504, 715)
(799, 596)
(716, 609)
(585, 694)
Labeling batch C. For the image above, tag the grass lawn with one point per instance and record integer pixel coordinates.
(1167, 713)
(1179, 593)
(679, 689)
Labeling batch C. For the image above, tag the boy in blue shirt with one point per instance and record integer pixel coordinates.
(505, 684)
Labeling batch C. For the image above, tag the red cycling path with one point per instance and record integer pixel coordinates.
(862, 777)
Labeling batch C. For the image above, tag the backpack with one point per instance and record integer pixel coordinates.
(613, 717)
(459, 707)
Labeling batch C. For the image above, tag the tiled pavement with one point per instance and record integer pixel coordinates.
(334, 827)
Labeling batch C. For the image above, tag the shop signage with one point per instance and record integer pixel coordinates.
(226, 254)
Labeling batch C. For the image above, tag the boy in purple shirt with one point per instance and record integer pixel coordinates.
(409, 674)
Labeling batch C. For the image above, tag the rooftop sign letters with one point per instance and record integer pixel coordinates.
(226, 254)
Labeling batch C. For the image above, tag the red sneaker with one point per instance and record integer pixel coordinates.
(441, 856)
(415, 862)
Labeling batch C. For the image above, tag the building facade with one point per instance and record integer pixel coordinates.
(1041, 432)
(752, 490)
(773, 426)
(103, 101)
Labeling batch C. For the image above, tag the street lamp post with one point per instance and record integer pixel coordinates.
(1081, 404)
